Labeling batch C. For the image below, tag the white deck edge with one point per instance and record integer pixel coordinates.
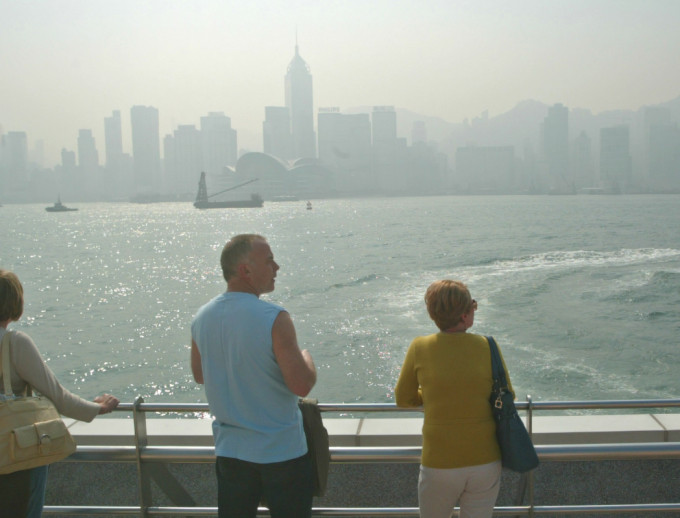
(601, 429)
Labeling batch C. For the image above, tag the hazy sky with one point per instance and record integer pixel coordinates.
(67, 64)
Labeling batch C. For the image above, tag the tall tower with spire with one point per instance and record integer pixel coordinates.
(299, 101)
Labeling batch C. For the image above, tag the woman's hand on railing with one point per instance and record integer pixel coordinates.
(107, 403)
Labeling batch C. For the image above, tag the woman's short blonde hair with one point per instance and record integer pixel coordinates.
(447, 301)
(11, 296)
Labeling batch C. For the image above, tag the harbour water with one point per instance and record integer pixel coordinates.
(581, 292)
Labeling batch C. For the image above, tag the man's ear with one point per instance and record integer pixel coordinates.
(243, 270)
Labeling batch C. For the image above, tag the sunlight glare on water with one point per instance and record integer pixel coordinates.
(582, 292)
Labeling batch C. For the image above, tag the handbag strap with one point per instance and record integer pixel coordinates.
(498, 372)
(7, 366)
(6, 375)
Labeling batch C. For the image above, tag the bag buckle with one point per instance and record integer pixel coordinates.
(499, 402)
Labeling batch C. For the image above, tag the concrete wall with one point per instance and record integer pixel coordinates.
(390, 485)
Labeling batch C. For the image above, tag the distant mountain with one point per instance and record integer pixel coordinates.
(519, 127)
(516, 127)
(510, 128)
(674, 106)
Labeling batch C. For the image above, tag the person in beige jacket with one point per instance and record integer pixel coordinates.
(22, 493)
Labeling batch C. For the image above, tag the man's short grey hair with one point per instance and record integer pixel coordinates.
(235, 252)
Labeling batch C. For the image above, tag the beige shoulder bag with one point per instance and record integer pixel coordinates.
(31, 431)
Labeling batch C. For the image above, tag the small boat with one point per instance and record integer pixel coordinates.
(592, 190)
(309, 205)
(59, 207)
(203, 203)
(285, 197)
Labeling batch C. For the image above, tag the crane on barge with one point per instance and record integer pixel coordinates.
(202, 198)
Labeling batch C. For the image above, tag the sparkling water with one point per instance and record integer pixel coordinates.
(581, 292)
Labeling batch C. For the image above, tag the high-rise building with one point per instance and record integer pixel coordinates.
(68, 160)
(664, 158)
(485, 169)
(219, 142)
(184, 162)
(169, 160)
(555, 140)
(118, 180)
(3, 168)
(299, 101)
(276, 136)
(384, 128)
(615, 159)
(88, 156)
(419, 132)
(582, 162)
(88, 164)
(146, 152)
(16, 159)
(37, 154)
(69, 182)
(652, 117)
(113, 140)
(345, 147)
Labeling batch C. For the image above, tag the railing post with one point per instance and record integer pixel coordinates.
(141, 442)
(530, 429)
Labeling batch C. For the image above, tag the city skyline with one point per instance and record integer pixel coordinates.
(452, 61)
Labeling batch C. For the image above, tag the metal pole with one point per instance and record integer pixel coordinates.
(530, 475)
(141, 442)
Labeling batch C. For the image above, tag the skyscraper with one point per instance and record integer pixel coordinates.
(219, 143)
(113, 140)
(276, 132)
(384, 128)
(88, 156)
(615, 160)
(664, 158)
(118, 180)
(146, 146)
(88, 165)
(582, 162)
(183, 172)
(555, 135)
(299, 101)
(345, 147)
(419, 132)
(16, 159)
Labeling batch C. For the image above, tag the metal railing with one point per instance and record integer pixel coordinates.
(152, 461)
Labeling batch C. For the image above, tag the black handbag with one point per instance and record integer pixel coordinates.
(317, 443)
(517, 450)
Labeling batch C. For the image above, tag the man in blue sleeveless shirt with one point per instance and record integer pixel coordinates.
(246, 353)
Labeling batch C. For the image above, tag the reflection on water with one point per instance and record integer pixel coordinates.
(582, 293)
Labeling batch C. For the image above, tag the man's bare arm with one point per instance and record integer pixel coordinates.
(296, 365)
(196, 365)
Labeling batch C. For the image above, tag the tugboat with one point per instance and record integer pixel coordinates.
(203, 203)
(59, 207)
(309, 205)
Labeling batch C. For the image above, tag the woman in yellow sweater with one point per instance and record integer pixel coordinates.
(449, 374)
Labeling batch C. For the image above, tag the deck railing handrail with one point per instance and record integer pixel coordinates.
(147, 457)
(604, 404)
